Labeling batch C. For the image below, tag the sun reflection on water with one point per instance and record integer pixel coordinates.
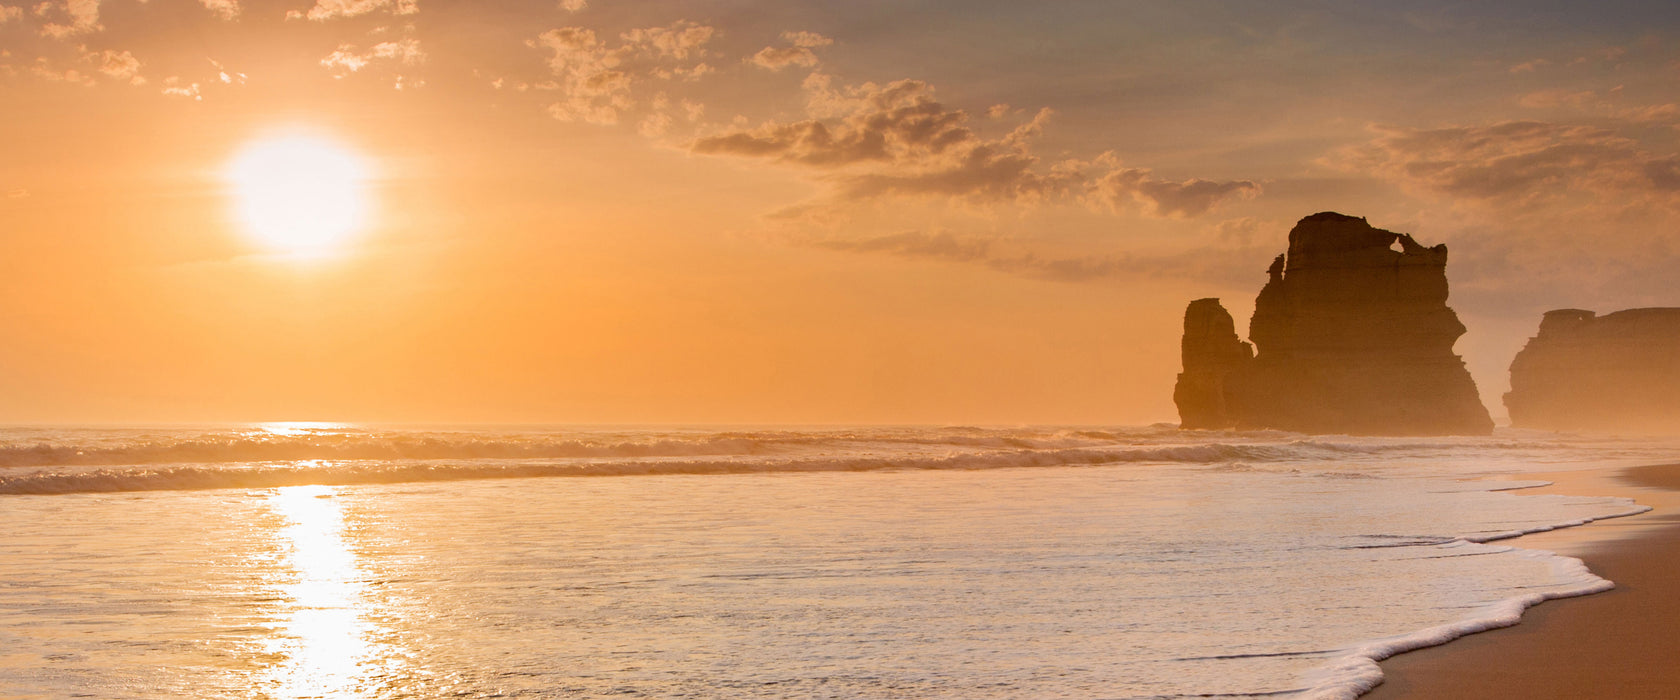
(295, 428)
(325, 634)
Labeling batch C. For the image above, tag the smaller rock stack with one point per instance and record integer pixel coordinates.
(1212, 352)
(1614, 373)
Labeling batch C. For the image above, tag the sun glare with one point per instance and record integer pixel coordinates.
(299, 194)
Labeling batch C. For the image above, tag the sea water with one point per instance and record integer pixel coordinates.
(329, 561)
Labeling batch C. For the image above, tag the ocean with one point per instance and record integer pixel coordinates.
(338, 561)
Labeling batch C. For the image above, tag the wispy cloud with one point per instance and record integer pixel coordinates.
(798, 52)
(348, 59)
(1173, 199)
(174, 86)
(596, 82)
(1517, 162)
(226, 9)
(1542, 213)
(1221, 263)
(333, 9)
(68, 18)
(119, 65)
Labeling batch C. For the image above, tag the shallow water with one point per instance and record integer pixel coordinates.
(1189, 564)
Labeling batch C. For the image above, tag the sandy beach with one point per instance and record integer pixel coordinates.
(1617, 644)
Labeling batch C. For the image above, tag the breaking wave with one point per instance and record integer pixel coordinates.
(91, 460)
(273, 474)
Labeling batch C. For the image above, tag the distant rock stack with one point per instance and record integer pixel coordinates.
(1212, 351)
(1614, 373)
(1350, 336)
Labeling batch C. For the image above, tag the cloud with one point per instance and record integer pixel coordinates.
(347, 59)
(226, 76)
(778, 57)
(119, 65)
(898, 140)
(798, 53)
(680, 40)
(333, 9)
(981, 171)
(73, 17)
(1667, 113)
(1171, 199)
(45, 71)
(226, 9)
(1543, 99)
(1609, 54)
(596, 81)
(573, 5)
(594, 89)
(9, 13)
(896, 123)
(173, 86)
(1515, 162)
(806, 40)
(1606, 104)
(1241, 230)
(1540, 213)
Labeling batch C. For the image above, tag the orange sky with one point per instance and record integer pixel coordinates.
(721, 212)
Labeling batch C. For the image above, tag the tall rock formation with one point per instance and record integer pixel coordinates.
(1614, 373)
(1351, 335)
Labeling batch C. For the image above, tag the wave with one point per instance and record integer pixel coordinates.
(88, 460)
(261, 447)
(349, 445)
(328, 472)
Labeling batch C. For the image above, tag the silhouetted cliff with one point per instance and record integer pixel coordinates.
(1350, 336)
(1617, 373)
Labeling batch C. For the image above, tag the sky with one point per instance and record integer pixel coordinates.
(719, 211)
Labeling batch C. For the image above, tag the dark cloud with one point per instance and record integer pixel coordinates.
(1664, 174)
(985, 173)
(899, 123)
(898, 140)
(1169, 198)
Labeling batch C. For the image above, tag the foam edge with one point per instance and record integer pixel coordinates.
(1357, 671)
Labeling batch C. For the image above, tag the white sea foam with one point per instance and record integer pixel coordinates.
(1356, 671)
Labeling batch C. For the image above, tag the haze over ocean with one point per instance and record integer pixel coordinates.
(841, 562)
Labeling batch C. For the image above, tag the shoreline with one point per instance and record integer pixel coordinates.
(1615, 644)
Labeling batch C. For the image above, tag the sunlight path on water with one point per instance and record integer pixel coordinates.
(325, 634)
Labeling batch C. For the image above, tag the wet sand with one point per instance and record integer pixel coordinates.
(1619, 644)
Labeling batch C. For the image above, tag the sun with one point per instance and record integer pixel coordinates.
(299, 194)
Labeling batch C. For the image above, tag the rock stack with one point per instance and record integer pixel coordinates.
(1614, 373)
(1351, 335)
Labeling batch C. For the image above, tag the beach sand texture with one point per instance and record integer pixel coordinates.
(1618, 644)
